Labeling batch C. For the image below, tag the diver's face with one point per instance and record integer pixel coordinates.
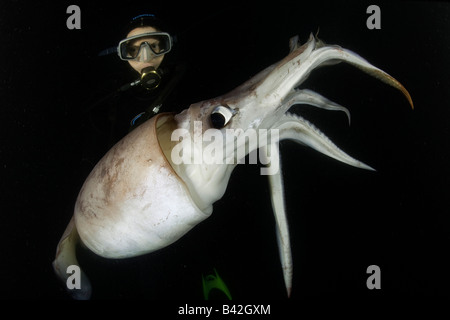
(138, 65)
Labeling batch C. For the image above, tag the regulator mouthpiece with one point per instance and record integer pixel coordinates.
(150, 78)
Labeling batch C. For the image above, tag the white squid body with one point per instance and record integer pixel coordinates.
(138, 199)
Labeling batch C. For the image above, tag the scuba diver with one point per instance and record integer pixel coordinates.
(147, 50)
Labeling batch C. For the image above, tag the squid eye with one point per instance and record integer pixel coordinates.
(221, 115)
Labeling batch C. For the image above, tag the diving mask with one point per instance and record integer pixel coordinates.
(144, 47)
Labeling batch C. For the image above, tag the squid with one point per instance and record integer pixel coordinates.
(163, 178)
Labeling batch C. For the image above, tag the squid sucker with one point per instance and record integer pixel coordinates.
(163, 178)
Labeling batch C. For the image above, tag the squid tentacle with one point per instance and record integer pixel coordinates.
(309, 58)
(293, 127)
(282, 226)
(309, 97)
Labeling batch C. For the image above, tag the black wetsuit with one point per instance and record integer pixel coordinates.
(109, 118)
